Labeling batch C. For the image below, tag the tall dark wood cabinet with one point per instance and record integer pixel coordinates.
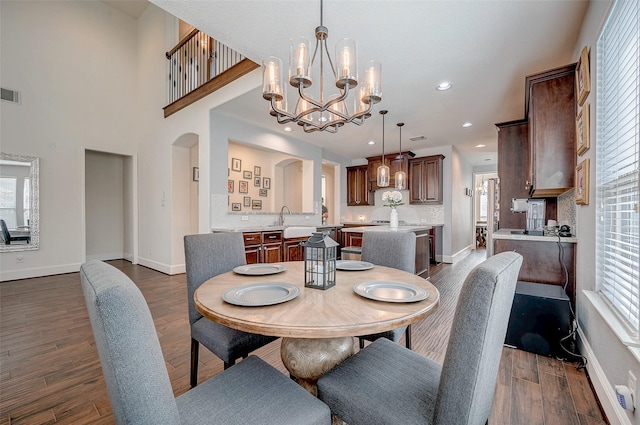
(513, 170)
(425, 180)
(358, 186)
(551, 112)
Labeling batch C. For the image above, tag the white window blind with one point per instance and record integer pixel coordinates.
(617, 159)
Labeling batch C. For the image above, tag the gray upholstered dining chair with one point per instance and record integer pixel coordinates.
(391, 249)
(206, 256)
(251, 392)
(387, 384)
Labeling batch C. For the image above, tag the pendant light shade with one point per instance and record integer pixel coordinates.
(382, 174)
(401, 176)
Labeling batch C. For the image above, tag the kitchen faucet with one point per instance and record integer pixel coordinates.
(282, 214)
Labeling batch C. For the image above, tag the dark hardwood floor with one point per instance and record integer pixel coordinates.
(50, 371)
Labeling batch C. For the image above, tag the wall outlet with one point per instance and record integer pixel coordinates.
(632, 384)
(244, 218)
(306, 217)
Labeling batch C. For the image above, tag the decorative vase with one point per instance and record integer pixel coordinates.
(393, 221)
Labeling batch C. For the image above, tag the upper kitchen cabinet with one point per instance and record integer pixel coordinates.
(551, 112)
(425, 180)
(393, 162)
(358, 186)
(513, 170)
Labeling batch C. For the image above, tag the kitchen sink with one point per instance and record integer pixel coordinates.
(298, 231)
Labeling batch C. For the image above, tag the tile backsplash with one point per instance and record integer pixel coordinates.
(567, 210)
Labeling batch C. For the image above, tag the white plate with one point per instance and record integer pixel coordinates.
(393, 292)
(260, 294)
(353, 265)
(260, 269)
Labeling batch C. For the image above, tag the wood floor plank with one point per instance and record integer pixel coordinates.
(583, 398)
(50, 371)
(526, 403)
(556, 396)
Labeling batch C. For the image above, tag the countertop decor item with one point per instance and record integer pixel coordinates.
(394, 198)
(320, 253)
(328, 111)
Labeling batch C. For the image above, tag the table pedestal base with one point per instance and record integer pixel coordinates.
(307, 359)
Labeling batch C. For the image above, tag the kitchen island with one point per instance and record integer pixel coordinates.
(352, 237)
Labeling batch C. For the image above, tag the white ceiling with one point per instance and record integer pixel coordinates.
(485, 48)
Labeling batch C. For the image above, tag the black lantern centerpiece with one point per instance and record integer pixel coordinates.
(320, 261)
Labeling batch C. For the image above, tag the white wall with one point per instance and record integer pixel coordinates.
(77, 76)
(609, 359)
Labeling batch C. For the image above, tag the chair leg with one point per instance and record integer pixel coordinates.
(228, 365)
(407, 337)
(361, 343)
(195, 345)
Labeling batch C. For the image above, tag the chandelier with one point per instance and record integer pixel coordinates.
(320, 111)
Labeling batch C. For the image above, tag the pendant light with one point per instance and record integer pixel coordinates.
(382, 173)
(401, 176)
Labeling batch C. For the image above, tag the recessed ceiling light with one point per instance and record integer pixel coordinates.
(467, 124)
(287, 129)
(480, 146)
(371, 142)
(445, 85)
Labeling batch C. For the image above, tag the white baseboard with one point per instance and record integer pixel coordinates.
(604, 390)
(39, 272)
(458, 255)
(161, 267)
(106, 256)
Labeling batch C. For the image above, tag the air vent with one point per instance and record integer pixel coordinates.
(9, 95)
(417, 138)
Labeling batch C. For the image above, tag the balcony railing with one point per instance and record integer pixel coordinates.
(199, 65)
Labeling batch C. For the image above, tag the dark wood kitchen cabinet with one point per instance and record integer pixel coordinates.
(358, 186)
(263, 247)
(425, 180)
(551, 112)
(541, 262)
(393, 162)
(513, 170)
(293, 249)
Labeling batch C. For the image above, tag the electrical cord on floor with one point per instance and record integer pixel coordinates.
(582, 363)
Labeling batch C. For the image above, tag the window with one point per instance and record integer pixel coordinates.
(8, 201)
(617, 159)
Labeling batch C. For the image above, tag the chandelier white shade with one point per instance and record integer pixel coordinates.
(400, 176)
(313, 109)
(382, 174)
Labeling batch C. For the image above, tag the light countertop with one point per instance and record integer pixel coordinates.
(271, 228)
(506, 234)
(405, 228)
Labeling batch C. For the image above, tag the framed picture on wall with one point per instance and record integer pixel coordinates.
(583, 81)
(266, 183)
(243, 186)
(235, 206)
(256, 170)
(230, 185)
(236, 164)
(263, 192)
(582, 182)
(582, 129)
(256, 204)
(247, 201)
(246, 175)
(257, 181)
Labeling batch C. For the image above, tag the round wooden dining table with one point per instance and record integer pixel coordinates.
(317, 325)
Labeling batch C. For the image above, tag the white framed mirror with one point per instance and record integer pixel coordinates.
(19, 202)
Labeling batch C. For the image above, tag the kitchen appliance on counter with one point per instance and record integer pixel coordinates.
(536, 210)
